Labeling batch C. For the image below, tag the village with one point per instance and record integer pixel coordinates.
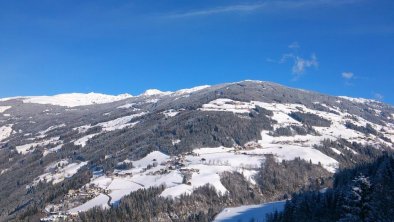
(125, 170)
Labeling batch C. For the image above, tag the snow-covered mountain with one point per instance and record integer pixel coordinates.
(72, 99)
(69, 153)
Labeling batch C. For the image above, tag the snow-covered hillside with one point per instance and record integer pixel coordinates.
(183, 139)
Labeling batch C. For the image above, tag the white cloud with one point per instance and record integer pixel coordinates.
(301, 64)
(286, 57)
(347, 75)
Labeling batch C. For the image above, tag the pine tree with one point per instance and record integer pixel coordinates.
(357, 203)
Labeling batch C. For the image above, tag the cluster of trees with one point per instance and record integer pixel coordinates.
(351, 153)
(280, 180)
(364, 193)
(367, 129)
(310, 119)
(294, 130)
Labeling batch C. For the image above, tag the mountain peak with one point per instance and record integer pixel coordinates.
(154, 92)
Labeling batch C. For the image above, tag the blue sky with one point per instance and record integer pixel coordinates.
(341, 47)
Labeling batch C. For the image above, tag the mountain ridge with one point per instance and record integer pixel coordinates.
(157, 92)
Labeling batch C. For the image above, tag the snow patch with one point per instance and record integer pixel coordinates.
(156, 156)
(99, 201)
(358, 100)
(228, 105)
(58, 171)
(128, 106)
(52, 150)
(191, 90)
(170, 113)
(4, 171)
(5, 132)
(249, 212)
(221, 149)
(155, 92)
(120, 123)
(336, 151)
(82, 129)
(51, 128)
(351, 150)
(174, 142)
(177, 191)
(82, 141)
(4, 108)
(26, 148)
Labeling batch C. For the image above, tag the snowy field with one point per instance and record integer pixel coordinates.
(58, 171)
(99, 201)
(4, 108)
(5, 132)
(83, 140)
(256, 213)
(26, 148)
(115, 124)
(120, 123)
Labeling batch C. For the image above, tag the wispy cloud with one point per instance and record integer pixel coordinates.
(218, 10)
(347, 75)
(299, 64)
(286, 57)
(269, 6)
(294, 45)
(378, 96)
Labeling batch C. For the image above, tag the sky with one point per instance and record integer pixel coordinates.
(336, 47)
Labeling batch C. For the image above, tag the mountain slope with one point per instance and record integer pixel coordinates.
(114, 145)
